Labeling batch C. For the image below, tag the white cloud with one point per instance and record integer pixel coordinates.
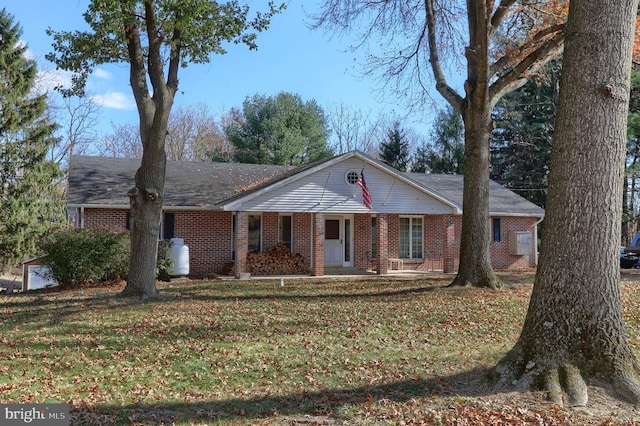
(46, 81)
(102, 74)
(115, 100)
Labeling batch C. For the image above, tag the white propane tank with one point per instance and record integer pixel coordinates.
(179, 254)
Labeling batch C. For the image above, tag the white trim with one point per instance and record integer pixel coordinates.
(413, 216)
(346, 177)
(341, 218)
(237, 204)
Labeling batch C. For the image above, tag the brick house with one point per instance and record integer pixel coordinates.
(225, 210)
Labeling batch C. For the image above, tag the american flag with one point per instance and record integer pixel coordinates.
(366, 195)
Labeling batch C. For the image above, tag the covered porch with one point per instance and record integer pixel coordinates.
(357, 243)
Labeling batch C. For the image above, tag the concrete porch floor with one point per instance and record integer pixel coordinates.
(341, 272)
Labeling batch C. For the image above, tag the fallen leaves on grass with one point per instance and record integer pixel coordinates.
(406, 351)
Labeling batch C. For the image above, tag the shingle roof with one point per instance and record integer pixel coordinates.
(105, 181)
(501, 200)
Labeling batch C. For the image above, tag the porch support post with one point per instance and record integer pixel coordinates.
(449, 243)
(240, 243)
(317, 269)
(382, 249)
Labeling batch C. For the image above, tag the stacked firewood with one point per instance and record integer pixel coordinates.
(276, 260)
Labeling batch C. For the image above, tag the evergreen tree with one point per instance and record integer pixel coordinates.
(395, 150)
(30, 202)
(521, 142)
(278, 130)
(446, 153)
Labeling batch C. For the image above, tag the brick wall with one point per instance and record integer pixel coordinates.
(208, 235)
(362, 256)
(111, 219)
(240, 243)
(500, 255)
(383, 253)
(269, 229)
(209, 238)
(301, 243)
(317, 267)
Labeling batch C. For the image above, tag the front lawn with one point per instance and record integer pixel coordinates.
(324, 351)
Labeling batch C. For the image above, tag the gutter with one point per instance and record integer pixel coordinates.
(126, 207)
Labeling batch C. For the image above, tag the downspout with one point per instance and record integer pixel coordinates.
(82, 217)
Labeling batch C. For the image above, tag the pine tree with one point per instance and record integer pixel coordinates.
(521, 142)
(281, 129)
(30, 202)
(395, 151)
(446, 153)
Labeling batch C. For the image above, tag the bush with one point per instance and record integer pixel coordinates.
(79, 256)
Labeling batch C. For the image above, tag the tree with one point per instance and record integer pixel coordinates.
(521, 142)
(574, 327)
(76, 118)
(156, 38)
(124, 142)
(354, 129)
(195, 134)
(30, 202)
(503, 43)
(446, 153)
(395, 150)
(278, 130)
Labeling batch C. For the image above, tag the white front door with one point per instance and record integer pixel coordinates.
(333, 240)
(338, 240)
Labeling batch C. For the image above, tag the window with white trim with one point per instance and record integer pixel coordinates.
(285, 230)
(254, 235)
(374, 237)
(411, 237)
(351, 177)
(495, 229)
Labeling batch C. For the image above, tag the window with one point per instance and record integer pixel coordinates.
(374, 238)
(254, 237)
(347, 240)
(331, 229)
(495, 225)
(285, 230)
(233, 237)
(411, 236)
(168, 225)
(352, 177)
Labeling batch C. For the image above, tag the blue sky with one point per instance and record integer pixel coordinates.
(290, 58)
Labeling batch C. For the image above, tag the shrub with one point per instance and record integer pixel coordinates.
(79, 256)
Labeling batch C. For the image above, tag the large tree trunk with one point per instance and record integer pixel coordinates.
(146, 198)
(145, 213)
(475, 255)
(574, 327)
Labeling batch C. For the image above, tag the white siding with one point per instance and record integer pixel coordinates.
(327, 191)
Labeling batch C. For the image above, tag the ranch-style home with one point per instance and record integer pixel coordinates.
(350, 211)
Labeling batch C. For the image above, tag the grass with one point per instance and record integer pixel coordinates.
(367, 351)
